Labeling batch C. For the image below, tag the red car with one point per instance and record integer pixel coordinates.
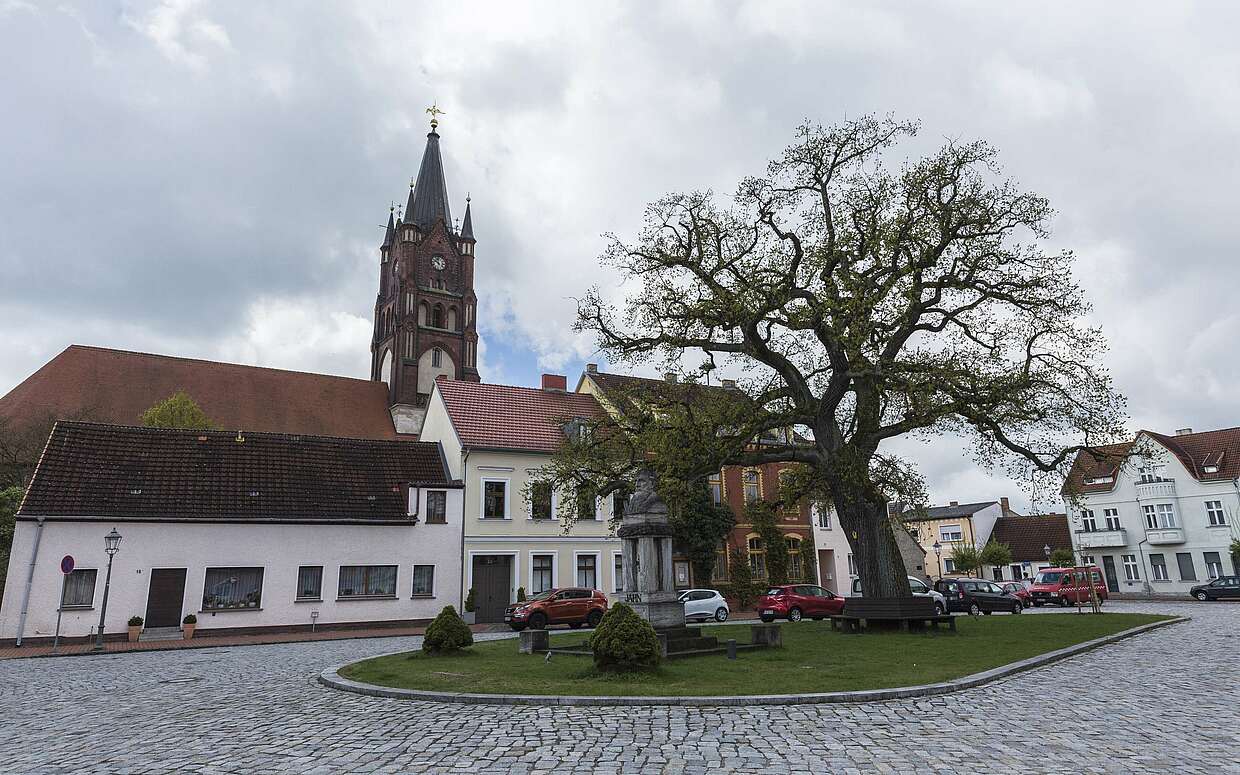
(1018, 589)
(573, 606)
(794, 601)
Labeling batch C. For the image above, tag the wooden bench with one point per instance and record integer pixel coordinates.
(907, 612)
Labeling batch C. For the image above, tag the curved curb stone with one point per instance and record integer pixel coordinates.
(331, 678)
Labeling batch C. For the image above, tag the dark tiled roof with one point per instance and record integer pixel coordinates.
(117, 386)
(1088, 466)
(950, 512)
(429, 198)
(1029, 536)
(517, 418)
(112, 471)
(467, 226)
(1217, 449)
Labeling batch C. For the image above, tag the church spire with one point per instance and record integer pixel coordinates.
(428, 200)
(467, 228)
(390, 236)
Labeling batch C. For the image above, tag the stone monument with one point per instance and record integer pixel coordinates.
(646, 535)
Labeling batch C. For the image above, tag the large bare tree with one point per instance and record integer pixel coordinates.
(862, 303)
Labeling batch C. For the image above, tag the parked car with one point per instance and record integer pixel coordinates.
(977, 596)
(919, 590)
(1065, 586)
(1018, 589)
(1220, 588)
(705, 604)
(794, 601)
(573, 606)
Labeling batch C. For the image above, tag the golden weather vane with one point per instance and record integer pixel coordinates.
(435, 114)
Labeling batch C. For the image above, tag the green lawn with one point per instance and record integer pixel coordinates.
(813, 659)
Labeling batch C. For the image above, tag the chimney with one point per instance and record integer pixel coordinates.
(1183, 431)
(954, 503)
(728, 383)
(555, 382)
(591, 368)
(1003, 502)
(670, 376)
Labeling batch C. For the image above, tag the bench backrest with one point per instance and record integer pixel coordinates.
(891, 608)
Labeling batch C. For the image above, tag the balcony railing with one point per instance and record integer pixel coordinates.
(1164, 488)
(1099, 539)
(1165, 535)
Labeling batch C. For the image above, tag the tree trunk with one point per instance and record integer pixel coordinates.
(875, 551)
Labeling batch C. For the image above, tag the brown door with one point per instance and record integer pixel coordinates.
(492, 586)
(165, 597)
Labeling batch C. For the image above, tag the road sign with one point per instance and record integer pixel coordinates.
(66, 564)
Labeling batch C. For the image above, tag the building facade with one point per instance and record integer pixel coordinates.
(496, 439)
(425, 323)
(952, 525)
(1158, 515)
(1032, 540)
(246, 531)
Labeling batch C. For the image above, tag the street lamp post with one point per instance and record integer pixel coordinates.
(938, 557)
(1046, 549)
(111, 545)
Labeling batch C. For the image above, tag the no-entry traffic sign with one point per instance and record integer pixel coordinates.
(66, 564)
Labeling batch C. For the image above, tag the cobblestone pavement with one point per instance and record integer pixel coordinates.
(1160, 702)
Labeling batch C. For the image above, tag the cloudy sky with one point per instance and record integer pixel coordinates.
(209, 179)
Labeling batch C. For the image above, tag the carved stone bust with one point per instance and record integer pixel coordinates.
(644, 499)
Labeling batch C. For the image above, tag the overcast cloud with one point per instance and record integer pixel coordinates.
(209, 179)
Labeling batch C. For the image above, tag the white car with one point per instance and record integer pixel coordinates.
(919, 590)
(705, 604)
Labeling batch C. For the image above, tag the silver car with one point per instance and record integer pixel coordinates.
(919, 590)
(705, 604)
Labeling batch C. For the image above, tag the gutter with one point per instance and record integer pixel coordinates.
(34, 556)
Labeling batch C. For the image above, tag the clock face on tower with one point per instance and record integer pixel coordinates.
(437, 262)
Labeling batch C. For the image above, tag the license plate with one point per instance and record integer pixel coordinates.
(768, 612)
(508, 617)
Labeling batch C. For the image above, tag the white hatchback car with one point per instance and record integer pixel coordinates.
(918, 588)
(705, 604)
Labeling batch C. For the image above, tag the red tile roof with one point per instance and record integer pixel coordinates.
(516, 418)
(117, 386)
(116, 472)
(1088, 466)
(1028, 537)
(1196, 451)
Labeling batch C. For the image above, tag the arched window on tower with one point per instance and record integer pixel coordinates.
(423, 313)
(436, 358)
(451, 318)
(437, 316)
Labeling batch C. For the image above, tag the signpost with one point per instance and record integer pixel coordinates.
(66, 567)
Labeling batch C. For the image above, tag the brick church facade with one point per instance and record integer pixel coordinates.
(425, 323)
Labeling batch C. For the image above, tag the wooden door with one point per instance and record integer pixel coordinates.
(492, 586)
(165, 597)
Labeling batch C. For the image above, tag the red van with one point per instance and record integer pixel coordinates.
(1066, 586)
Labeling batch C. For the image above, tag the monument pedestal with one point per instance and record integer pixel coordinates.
(649, 580)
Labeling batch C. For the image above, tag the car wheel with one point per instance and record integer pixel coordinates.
(768, 619)
(594, 618)
(974, 609)
(575, 625)
(721, 614)
(1202, 596)
(939, 610)
(538, 622)
(517, 627)
(794, 615)
(1016, 607)
(1064, 602)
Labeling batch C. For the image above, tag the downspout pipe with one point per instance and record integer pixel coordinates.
(34, 557)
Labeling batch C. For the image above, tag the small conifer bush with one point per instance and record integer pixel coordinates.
(448, 634)
(625, 642)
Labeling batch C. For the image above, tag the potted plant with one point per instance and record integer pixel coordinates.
(468, 616)
(188, 624)
(135, 627)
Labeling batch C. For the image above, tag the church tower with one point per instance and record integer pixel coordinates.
(425, 312)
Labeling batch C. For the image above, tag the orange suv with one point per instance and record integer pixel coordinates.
(573, 606)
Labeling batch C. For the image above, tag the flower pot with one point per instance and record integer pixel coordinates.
(468, 616)
(133, 633)
(187, 630)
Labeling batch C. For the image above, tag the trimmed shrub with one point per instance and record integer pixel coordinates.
(1063, 558)
(447, 634)
(190, 619)
(135, 621)
(625, 642)
(469, 601)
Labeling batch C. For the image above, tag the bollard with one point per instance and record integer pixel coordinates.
(731, 648)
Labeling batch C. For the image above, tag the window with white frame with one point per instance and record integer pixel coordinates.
(752, 488)
(1088, 559)
(824, 515)
(795, 565)
(1166, 515)
(436, 507)
(1214, 513)
(494, 498)
(1214, 565)
(587, 571)
(542, 576)
(423, 580)
(1088, 523)
(1130, 567)
(852, 566)
(617, 571)
(757, 557)
(225, 588)
(1150, 473)
(587, 503)
(366, 581)
(1151, 516)
(1112, 518)
(618, 500)
(1158, 567)
(1187, 571)
(79, 589)
(950, 533)
(310, 582)
(949, 565)
(541, 502)
(716, 489)
(720, 571)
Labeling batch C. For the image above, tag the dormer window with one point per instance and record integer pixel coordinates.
(578, 429)
(1211, 469)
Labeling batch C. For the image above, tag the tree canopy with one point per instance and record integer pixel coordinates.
(863, 304)
(177, 411)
